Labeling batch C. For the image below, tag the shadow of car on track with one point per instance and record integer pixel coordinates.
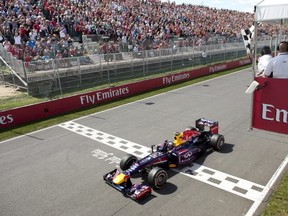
(167, 189)
(227, 148)
(144, 200)
(147, 199)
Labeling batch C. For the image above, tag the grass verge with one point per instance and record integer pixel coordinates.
(278, 202)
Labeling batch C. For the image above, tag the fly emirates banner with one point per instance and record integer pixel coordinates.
(270, 105)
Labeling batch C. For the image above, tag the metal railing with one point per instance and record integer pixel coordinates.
(56, 77)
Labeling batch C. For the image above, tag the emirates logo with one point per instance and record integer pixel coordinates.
(271, 113)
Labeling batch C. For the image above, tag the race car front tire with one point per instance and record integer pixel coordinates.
(157, 177)
(217, 141)
(127, 161)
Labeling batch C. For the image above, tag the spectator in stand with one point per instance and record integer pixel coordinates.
(58, 54)
(62, 32)
(278, 66)
(78, 52)
(18, 40)
(27, 57)
(266, 56)
(72, 51)
(145, 23)
(46, 54)
(136, 52)
(104, 50)
(33, 34)
(37, 57)
(36, 27)
(30, 43)
(23, 32)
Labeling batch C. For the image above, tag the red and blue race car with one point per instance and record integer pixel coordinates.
(184, 149)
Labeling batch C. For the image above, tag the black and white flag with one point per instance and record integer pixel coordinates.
(247, 36)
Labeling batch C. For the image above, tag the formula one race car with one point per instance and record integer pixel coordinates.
(185, 148)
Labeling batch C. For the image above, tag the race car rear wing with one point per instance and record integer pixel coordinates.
(207, 125)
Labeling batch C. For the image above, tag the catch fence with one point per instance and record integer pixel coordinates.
(59, 77)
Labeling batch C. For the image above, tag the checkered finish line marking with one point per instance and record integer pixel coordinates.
(107, 139)
(232, 184)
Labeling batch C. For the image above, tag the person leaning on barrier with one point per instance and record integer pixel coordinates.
(263, 60)
(278, 66)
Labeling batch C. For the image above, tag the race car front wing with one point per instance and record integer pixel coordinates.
(136, 192)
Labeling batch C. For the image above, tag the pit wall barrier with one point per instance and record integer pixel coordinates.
(270, 105)
(27, 114)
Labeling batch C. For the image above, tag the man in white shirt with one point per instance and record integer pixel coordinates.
(264, 59)
(279, 64)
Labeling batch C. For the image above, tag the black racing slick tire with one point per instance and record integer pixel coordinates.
(127, 161)
(157, 177)
(217, 141)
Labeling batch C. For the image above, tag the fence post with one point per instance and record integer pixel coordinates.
(132, 62)
(144, 62)
(2, 77)
(108, 75)
(79, 69)
(25, 74)
(171, 61)
(58, 77)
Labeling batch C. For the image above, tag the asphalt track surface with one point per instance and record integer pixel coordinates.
(59, 170)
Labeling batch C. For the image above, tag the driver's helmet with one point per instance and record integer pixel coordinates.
(178, 135)
(178, 139)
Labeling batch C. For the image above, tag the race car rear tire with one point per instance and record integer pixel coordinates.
(127, 161)
(157, 177)
(217, 141)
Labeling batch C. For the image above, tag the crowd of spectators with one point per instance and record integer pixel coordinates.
(43, 29)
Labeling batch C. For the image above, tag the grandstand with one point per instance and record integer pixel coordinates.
(52, 45)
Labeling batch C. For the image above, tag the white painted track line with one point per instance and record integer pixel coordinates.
(269, 185)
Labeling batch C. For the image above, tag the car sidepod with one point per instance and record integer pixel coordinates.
(187, 155)
(154, 159)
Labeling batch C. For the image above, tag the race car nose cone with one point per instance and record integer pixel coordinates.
(119, 179)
